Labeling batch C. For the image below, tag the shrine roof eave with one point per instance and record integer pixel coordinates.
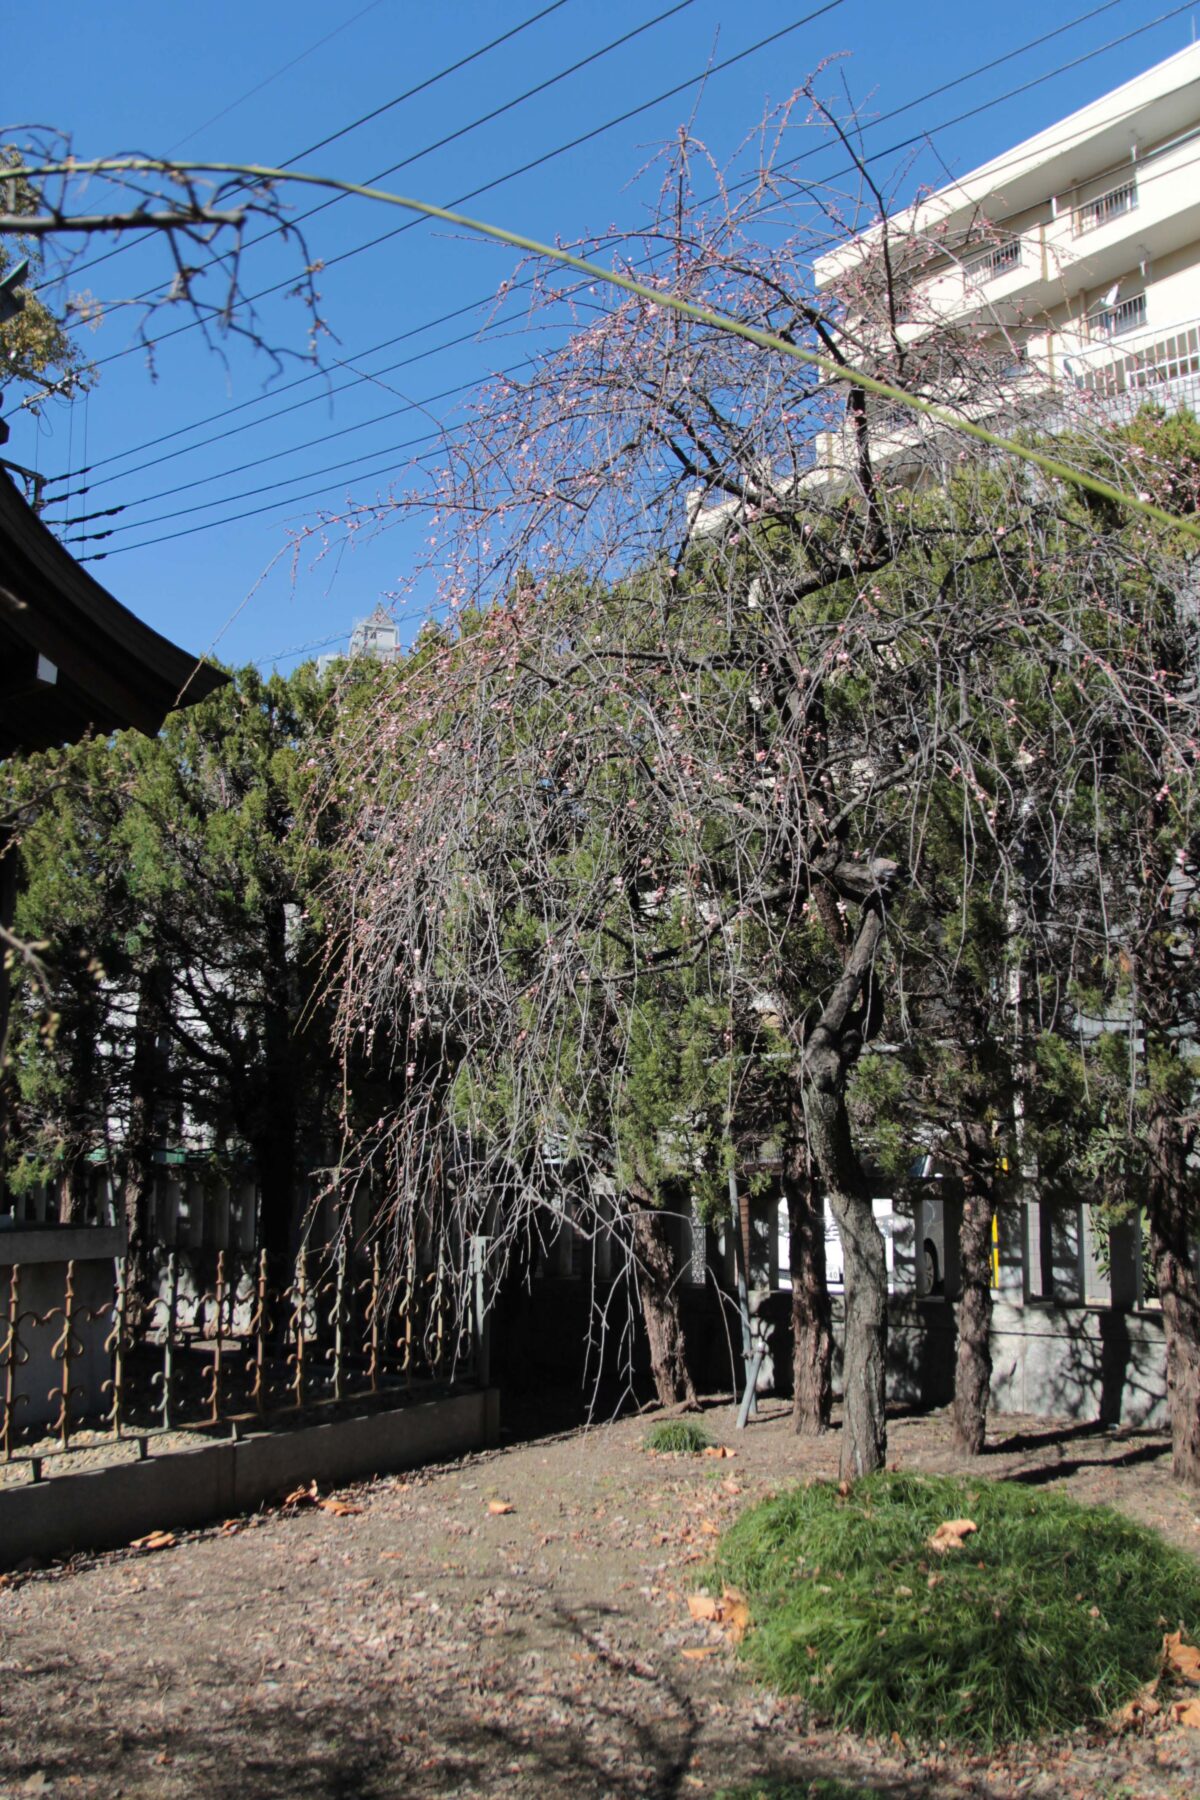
(72, 658)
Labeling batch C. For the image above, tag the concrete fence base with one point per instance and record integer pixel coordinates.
(99, 1509)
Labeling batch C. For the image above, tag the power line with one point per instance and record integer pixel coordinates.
(484, 299)
(548, 156)
(268, 80)
(366, 118)
(389, 469)
(484, 119)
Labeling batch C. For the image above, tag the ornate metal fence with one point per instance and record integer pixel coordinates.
(220, 1341)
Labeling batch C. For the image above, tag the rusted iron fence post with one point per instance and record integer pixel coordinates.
(238, 1346)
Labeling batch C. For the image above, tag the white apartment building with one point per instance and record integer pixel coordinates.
(1072, 261)
(377, 636)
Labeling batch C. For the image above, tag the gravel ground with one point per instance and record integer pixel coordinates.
(433, 1644)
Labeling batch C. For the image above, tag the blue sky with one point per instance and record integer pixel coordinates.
(261, 80)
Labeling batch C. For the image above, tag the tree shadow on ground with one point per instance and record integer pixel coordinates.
(1054, 1434)
(1042, 1473)
(636, 1735)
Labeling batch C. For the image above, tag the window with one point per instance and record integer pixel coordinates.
(1109, 205)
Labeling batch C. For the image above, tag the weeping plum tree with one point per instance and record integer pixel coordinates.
(705, 619)
(708, 658)
(658, 738)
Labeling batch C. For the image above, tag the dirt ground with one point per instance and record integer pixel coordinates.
(431, 1644)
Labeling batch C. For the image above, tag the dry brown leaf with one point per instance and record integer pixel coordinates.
(341, 1509)
(302, 1496)
(718, 1450)
(699, 1652)
(703, 1606)
(711, 1527)
(1135, 1712)
(735, 1613)
(950, 1534)
(154, 1540)
(1179, 1658)
(501, 1506)
(1187, 1712)
(391, 1556)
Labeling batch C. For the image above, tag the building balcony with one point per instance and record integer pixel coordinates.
(1101, 372)
(1129, 220)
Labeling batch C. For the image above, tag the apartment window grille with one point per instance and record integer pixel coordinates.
(1113, 321)
(1109, 205)
(997, 259)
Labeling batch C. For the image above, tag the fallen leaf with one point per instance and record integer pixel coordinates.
(302, 1496)
(339, 1508)
(711, 1527)
(1135, 1712)
(718, 1450)
(703, 1606)
(154, 1540)
(391, 1556)
(1187, 1712)
(844, 1489)
(1180, 1658)
(950, 1534)
(500, 1506)
(735, 1613)
(699, 1652)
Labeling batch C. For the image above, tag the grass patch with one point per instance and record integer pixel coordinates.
(1050, 1616)
(678, 1437)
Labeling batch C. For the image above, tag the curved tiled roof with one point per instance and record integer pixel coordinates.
(72, 658)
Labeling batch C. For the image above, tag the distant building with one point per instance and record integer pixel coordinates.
(1072, 263)
(378, 636)
(1056, 283)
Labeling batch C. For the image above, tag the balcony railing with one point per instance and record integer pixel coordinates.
(1109, 205)
(1147, 367)
(996, 260)
(1115, 321)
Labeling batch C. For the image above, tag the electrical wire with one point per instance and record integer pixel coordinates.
(484, 299)
(462, 131)
(392, 468)
(596, 131)
(366, 118)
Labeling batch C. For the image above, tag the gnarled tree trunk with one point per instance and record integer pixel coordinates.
(973, 1363)
(660, 1308)
(832, 1047)
(1171, 1224)
(812, 1326)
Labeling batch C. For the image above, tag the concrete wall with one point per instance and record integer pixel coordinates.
(43, 1254)
(96, 1509)
(1058, 1362)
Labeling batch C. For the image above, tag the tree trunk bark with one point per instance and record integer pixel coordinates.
(276, 1137)
(973, 1365)
(831, 1048)
(660, 1309)
(812, 1325)
(136, 1161)
(1178, 1290)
